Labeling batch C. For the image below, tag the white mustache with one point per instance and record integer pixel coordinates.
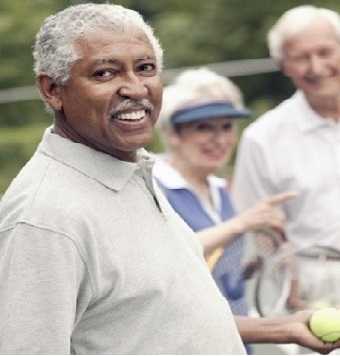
(128, 104)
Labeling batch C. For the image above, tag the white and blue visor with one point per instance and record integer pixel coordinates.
(206, 111)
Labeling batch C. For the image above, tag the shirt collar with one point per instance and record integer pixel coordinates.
(106, 169)
(172, 179)
(310, 120)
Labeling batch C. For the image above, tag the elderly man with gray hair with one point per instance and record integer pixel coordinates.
(87, 245)
(92, 258)
(295, 146)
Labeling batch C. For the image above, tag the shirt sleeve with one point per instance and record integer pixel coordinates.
(252, 179)
(40, 275)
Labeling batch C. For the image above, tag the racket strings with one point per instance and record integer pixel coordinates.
(292, 278)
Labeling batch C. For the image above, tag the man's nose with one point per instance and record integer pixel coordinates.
(132, 87)
(316, 65)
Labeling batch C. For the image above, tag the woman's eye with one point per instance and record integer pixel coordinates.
(204, 127)
(227, 127)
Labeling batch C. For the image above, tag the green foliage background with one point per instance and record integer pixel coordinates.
(192, 32)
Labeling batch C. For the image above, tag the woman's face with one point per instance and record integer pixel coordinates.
(204, 145)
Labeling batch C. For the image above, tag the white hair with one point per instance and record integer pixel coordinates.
(54, 51)
(294, 21)
(197, 86)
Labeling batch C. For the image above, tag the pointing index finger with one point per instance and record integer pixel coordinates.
(281, 197)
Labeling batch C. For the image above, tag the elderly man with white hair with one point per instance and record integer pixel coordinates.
(295, 146)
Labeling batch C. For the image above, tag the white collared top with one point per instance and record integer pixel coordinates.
(172, 179)
(292, 148)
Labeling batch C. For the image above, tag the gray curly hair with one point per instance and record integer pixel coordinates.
(54, 52)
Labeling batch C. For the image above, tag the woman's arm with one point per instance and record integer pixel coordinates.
(263, 215)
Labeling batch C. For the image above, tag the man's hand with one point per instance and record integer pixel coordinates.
(300, 333)
(288, 329)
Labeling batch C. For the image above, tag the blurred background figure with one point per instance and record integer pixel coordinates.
(198, 126)
(296, 145)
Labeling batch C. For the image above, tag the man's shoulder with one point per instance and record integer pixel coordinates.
(280, 118)
(47, 193)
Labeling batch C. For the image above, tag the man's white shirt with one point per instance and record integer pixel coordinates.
(292, 148)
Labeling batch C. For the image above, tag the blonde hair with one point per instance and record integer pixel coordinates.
(197, 86)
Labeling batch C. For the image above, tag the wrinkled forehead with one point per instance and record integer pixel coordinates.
(317, 36)
(106, 36)
(315, 27)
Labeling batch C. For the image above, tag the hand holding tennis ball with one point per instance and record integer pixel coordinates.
(325, 324)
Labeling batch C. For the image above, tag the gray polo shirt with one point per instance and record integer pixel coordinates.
(93, 260)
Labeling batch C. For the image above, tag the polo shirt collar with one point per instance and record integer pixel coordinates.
(310, 120)
(104, 168)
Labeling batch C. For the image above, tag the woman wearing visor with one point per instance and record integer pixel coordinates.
(198, 128)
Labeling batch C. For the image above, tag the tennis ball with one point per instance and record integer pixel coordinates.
(325, 324)
(320, 304)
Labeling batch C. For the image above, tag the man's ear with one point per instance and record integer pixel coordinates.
(51, 91)
(283, 68)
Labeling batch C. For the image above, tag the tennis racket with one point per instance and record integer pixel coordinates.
(292, 278)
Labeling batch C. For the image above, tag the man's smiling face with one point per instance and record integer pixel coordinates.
(113, 97)
(312, 60)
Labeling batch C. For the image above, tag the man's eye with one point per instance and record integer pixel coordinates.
(103, 73)
(300, 58)
(147, 67)
(325, 52)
